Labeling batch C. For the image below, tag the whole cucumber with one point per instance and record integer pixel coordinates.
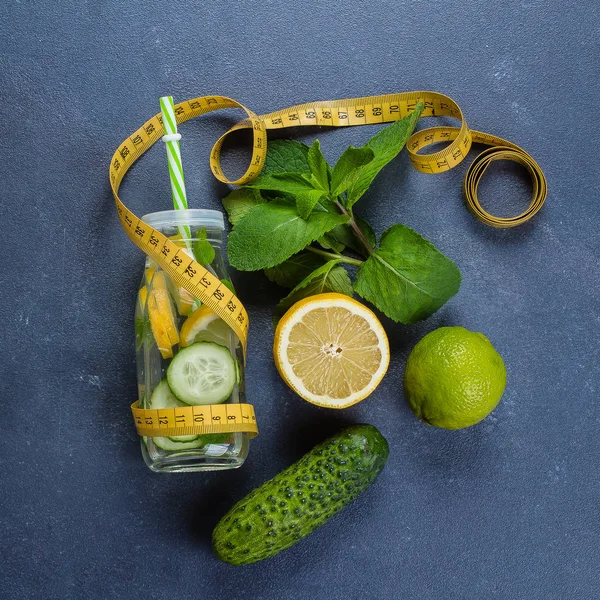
(294, 503)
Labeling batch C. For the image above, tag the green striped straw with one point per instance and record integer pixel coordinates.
(171, 139)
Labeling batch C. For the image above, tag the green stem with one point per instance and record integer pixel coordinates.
(334, 256)
(359, 234)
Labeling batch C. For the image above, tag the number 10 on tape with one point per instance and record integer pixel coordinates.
(195, 420)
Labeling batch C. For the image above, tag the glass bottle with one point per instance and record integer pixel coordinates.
(200, 232)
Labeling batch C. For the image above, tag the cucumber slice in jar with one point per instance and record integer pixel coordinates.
(168, 444)
(165, 443)
(163, 398)
(203, 373)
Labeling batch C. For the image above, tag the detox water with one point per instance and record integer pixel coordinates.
(204, 366)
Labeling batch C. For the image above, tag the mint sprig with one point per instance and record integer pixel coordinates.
(296, 221)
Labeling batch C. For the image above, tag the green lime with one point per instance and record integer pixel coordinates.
(454, 378)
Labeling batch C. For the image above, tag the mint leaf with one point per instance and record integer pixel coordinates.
(204, 253)
(407, 277)
(318, 166)
(367, 231)
(295, 184)
(288, 183)
(343, 234)
(328, 278)
(330, 243)
(142, 327)
(329, 206)
(306, 201)
(270, 233)
(347, 168)
(292, 271)
(385, 145)
(240, 201)
(286, 156)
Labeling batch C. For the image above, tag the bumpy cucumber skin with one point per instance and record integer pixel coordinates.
(294, 503)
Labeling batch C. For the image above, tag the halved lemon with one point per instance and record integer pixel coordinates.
(203, 325)
(331, 350)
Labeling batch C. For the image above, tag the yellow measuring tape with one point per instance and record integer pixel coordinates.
(195, 420)
(197, 280)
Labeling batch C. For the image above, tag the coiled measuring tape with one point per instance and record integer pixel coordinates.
(204, 286)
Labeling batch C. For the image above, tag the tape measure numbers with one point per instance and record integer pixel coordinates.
(202, 284)
(194, 420)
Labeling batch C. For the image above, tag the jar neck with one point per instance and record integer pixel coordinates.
(189, 225)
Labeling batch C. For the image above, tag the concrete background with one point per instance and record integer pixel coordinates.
(506, 510)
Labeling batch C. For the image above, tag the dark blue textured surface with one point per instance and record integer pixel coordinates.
(507, 509)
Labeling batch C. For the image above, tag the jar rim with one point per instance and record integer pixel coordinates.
(194, 217)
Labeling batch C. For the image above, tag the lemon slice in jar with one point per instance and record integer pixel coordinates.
(203, 325)
(161, 314)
